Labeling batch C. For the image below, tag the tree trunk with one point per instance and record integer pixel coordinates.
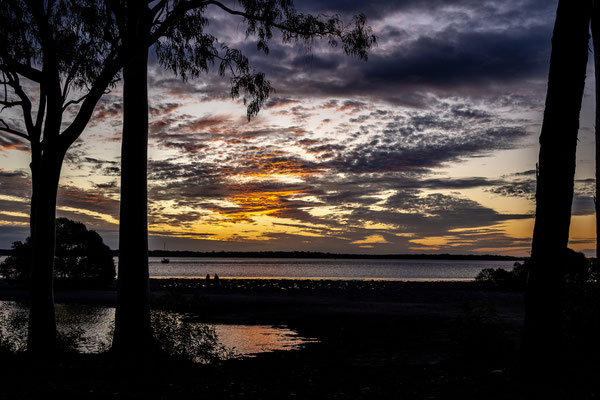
(132, 336)
(41, 340)
(596, 42)
(554, 194)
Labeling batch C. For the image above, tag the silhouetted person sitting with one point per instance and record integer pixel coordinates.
(217, 282)
(208, 277)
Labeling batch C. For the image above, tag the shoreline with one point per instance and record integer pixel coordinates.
(317, 278)
(293, 301)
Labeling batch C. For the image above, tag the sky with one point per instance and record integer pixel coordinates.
(428, 147)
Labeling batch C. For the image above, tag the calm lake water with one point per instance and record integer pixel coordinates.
(398, 270)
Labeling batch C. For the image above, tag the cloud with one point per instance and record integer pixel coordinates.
(9, 142)
(15, 183)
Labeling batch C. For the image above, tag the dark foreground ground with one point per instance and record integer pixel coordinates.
(378, 340)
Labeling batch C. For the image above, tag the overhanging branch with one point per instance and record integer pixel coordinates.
(71, 102)
(8, 129)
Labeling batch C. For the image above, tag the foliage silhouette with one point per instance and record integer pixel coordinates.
(187, 341)
(578, 269)
(501, 278)
(81, 258)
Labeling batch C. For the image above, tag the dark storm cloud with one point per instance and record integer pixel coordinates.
(439, 210)
(516, 189)
(474, 46)
(15, 183)
(467, 48)
(451, 59)
(376, 9)
(412, 152)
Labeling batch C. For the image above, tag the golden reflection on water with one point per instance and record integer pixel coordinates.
(253, 339)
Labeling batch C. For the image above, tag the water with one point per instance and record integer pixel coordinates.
(301, 268)
(96, 326)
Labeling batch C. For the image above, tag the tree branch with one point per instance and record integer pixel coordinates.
(25, 70)
(8, 129)
(9, 104)
(170, 19)
(270, 22)
(71, 102)
(37, 131)
(158, 9)
(25, 103)
(111, 68)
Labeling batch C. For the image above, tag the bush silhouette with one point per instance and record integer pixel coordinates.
(81, 257)
(578, 269)
(513, 279)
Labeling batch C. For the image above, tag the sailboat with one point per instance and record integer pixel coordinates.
(165, 260)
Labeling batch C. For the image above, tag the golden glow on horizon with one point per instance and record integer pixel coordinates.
(582, 233)
(371, 239)
(437, 241)
(257, 225)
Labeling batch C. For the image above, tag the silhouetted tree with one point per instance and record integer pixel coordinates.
(177, 30)
(555, 180)
(596, 263)
(64, 54)
(81, 257)
(596, 41)
(16, 268)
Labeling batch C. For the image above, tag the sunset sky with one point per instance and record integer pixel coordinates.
(429, 147)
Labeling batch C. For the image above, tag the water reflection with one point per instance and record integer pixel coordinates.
(94, 325)
(253, 339)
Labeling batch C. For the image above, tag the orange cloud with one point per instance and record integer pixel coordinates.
(257, 203)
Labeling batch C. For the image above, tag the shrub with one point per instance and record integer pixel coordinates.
(578, 270)
(13, 331)
(81, 257)
(189, 341)
(514, 279)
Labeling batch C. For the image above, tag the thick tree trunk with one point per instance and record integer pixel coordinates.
(554, 195)
(42, 324)
(133, 333)
(596, 41)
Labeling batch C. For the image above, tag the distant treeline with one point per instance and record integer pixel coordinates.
(315, 254)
